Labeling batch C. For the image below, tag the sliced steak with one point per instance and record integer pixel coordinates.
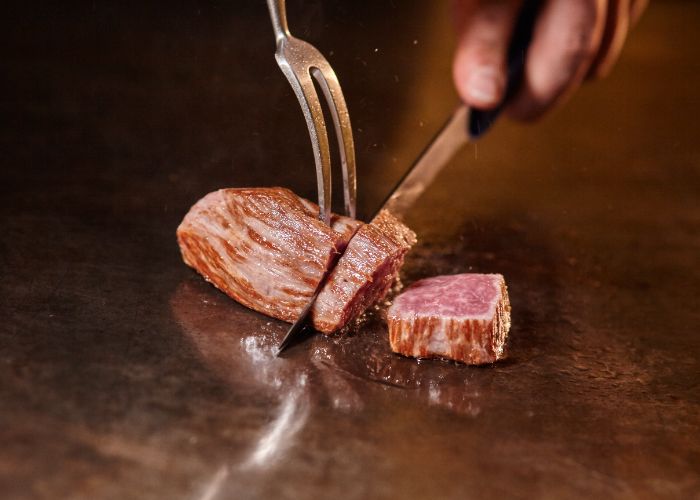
(364, 273)
(465, 317)
(264, 247)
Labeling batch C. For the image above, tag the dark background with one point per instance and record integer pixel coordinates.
(124, 375)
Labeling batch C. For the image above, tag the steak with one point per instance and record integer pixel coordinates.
(266, 248)
(263, 247)
(365, 272)
(465, 317)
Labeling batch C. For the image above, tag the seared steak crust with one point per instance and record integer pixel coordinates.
(264, 247)
(365, 272)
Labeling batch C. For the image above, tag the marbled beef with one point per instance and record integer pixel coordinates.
(465, 317)
(265, 248)
(365, 272)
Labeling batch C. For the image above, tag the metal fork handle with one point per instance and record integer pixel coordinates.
(278, 16)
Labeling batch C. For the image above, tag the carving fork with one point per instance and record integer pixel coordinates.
(300, 62)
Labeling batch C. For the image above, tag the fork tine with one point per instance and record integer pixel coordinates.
(313, 114)
(328, 81)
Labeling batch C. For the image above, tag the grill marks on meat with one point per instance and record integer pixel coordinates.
(465, 317)
(365, 272)
(264, 247)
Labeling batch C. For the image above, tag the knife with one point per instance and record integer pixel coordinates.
(463, 125)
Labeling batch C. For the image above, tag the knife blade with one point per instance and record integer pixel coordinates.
(463, 125)
(450, 139)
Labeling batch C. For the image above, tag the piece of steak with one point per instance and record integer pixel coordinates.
(465, 317)
(264, 247)
(365, 272)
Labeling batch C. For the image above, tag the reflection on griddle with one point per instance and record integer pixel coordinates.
(337, 372)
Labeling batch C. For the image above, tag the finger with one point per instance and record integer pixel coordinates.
(566, 39)
(479, 68)
(614, 36)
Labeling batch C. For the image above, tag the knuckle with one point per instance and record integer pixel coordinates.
(580, 40)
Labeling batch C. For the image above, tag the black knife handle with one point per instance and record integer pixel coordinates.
(480, 120)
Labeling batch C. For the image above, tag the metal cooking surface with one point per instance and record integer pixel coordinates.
(125, 375)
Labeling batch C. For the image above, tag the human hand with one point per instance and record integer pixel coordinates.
(573, 40)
